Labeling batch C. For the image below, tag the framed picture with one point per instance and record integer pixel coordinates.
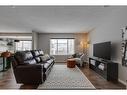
(124, 46)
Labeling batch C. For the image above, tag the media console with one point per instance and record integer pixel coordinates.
(106, 68)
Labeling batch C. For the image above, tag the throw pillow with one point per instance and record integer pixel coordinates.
(78, 55)
(38, 59)
(74, 55)
(45, 57)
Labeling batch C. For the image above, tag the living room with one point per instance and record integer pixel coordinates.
(60, 32)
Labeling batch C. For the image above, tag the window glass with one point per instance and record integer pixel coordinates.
(61, 46)
(23, 45)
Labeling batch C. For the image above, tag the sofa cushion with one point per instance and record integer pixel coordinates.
(28, 55)
(41, 52)
(35, 53)
(33, 61)
(38, 59)
(50, 61)
(45, 57)
(22, 56)
(46, 66)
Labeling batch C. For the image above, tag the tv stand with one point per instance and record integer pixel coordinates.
(105, 68)
(103, 60)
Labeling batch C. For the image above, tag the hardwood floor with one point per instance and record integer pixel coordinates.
(98, 81)
(7, 81)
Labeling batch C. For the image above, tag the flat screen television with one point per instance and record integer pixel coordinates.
(102, 50)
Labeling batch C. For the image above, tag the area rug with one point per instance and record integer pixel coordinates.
(62, 77)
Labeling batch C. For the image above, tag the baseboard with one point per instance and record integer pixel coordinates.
(122, 81)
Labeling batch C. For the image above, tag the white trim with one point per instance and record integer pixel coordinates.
(121, 81)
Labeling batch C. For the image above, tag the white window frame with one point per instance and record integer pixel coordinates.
(57, 46)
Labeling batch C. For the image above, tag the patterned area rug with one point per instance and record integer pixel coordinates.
(62, 77)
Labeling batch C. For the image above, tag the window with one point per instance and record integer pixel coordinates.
(23, 45)
(61, 46)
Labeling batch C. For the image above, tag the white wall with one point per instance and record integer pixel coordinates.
(44, 43)
(110, 30)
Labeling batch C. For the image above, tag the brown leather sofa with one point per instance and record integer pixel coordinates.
(31, 67)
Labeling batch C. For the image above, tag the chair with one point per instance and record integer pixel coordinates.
(79, 58)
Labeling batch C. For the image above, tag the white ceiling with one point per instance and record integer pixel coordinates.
(51, 19)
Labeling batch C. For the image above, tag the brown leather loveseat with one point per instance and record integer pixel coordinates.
(31, 67)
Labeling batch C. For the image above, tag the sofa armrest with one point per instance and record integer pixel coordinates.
(29, 74)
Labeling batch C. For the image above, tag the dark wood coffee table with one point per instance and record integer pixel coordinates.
(71, 63)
